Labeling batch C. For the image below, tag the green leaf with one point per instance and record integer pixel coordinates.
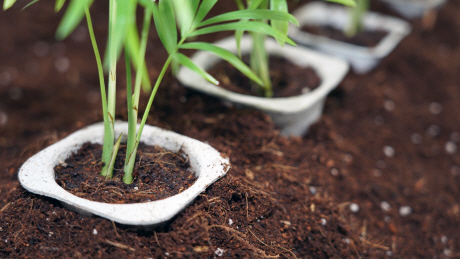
(225, 55)
(168, 19)
(205, 7)
(344, 2)
(185, 61)
(132, 46)
(247, 26)
(165, 35)
(8, 3)
(281, 26)
(251, 14)
(126, 10)
(72, 17)
(185, 11)
(29, 4)
(58, 5)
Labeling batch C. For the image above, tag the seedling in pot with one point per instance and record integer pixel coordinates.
(259, 60)
(168, 15)
(356, 15)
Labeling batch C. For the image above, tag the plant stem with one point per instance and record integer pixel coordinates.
(108, 140)
(260, 64)
(107, 147)
(128, 177)
(133, 98)
(356, 15)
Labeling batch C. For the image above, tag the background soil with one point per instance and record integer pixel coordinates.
(377, 176)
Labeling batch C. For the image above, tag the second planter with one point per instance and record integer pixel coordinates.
(293, 115)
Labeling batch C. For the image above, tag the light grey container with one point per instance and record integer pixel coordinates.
(37, 174)
(292, 114)
(413, 9)
(362, 59)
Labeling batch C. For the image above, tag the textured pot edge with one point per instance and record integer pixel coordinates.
(397, 28)
(330, 69)
(210, 167)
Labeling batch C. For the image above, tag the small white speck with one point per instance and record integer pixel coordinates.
(381, 164)
(62, 64)
(1, 229)
(41, 49)
(323, 222)
(346, 240)
(47, 219)
(447, 252)
(258, 220)
(94, 232)
(416, 138)
(433, 130)
(389, 253)
(15, 93)
(378, 120)
(230, 222)
(219, 252)
(385, 206)
(455, 170)
(405, 211)
(312, 190)
(5, 78)
(54, 212)
(167, 254)
(6, 240)
(455, 137)
(334, 172)
(3, 118)
(389, 105)
(182, 99)
(435, 108)
(444, 239)
(389, 151)
(450, 147)
(136, 188)
(262, 216)
(80, 34)
(50, 234)
(377, 172)
(354, 207)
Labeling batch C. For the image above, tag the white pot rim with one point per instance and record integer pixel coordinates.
(37, 174)
(315, 13)
(334, 68)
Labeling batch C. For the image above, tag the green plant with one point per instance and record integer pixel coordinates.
(259, 60)
(168, 15)
(356, 16)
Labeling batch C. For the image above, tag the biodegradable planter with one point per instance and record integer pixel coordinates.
(37, 174)
(412, 9)
(292, 114)
(362, 59)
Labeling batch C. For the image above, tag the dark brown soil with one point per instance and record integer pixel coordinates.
(158, 174)
(287, 80)
(364, 38)
(377, 176)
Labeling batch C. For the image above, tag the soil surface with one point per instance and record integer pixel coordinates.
(158, 174)
(364, 38)
(377, 177)
(287, 80)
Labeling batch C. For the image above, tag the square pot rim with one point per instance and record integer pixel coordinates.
(397, 29)
(330, 69)
(41, 181)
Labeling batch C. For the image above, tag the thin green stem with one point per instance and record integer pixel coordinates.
(133, 98)
(112, 84)
(108, 128)
(128, 177)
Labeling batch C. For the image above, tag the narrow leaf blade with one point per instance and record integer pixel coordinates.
(185, 61)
